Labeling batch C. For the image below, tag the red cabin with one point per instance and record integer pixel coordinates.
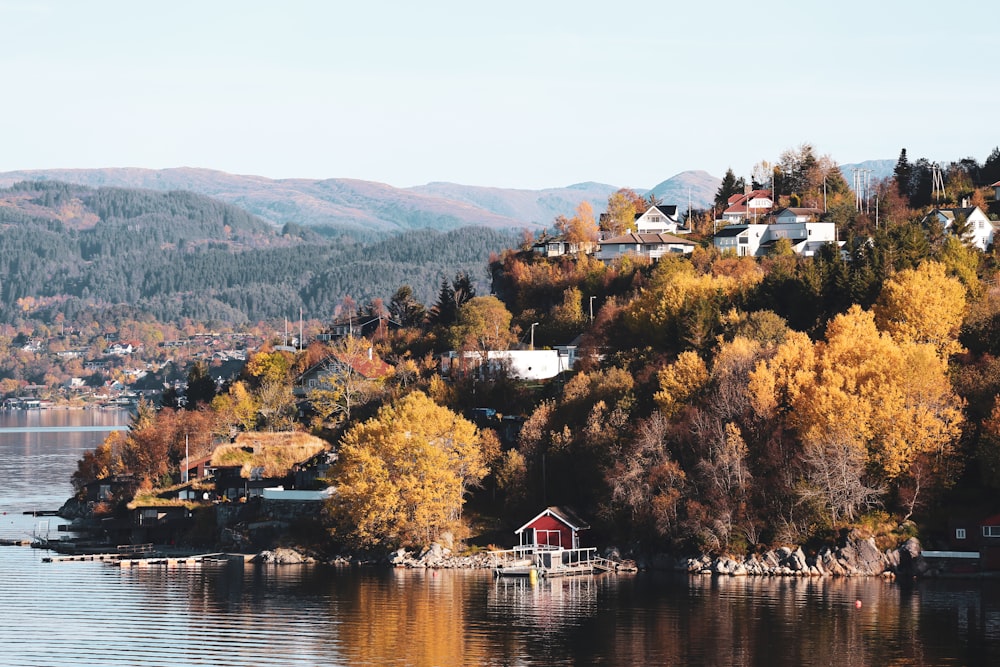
(554, 527)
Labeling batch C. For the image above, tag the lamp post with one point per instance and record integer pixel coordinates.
(533, 325)
(592, 309)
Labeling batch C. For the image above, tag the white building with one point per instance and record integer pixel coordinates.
(750, 206)
(660, 219)
(757, 240)
(651, 246)
(518, 364)
(981, 229)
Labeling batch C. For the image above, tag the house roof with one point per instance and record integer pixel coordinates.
(563, 514)
(732, 230)
(640, 239)
(669, 210)
(738, 203)
(799, 211)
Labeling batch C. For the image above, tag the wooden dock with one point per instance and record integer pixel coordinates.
(128, 561)
(7, 542)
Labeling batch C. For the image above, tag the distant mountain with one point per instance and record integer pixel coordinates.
(536, 207)
(699, 186)
(880, 169)
(367, 208)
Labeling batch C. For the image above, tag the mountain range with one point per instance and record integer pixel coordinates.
(364, 207)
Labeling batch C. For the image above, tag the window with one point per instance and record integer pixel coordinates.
(960, 533)
(991, 531)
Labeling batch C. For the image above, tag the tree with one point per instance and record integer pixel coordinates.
(620, 215)
(581, 228)
(200, 386)
(923, 305)
(342, 386)
(483, 324)
(902, 174)
(730, 186)
(402, 476)
(405, 309)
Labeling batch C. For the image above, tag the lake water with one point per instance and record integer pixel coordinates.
(54, 614)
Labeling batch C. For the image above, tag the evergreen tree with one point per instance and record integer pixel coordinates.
(730, 186)
(990, 173)
(902, 174)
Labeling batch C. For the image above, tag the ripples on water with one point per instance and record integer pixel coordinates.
(54, 614)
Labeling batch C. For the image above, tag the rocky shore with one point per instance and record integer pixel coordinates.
(856, 558)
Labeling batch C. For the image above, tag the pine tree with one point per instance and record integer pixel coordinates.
(902, 174)
(730, 186)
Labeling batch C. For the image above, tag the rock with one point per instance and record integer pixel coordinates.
(282, 556)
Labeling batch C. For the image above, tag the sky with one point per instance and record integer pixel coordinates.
(514, 94)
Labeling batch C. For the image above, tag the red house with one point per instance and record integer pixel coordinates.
(553, 527)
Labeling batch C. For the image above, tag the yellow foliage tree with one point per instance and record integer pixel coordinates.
(402, 475)
(679, 382)
(923, 305)
(861, 399)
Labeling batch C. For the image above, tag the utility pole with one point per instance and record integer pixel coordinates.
(592, 309)
(533, 325)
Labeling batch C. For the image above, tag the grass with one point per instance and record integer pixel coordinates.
(275, 452)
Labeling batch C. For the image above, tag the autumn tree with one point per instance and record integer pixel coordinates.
(402, 475)
(866, 401)
(923, 305)
(620, 214)
(483, 324)
(343, 385)
(581, 228)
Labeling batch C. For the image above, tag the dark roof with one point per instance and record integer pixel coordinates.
(669, 210)
(734, 230)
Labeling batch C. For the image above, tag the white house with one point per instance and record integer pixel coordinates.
(750, 206)
(996, 190)
(518, 364)
(787, 215)
(651, 246)
(660, 219)
(756, 240)
(981, 229)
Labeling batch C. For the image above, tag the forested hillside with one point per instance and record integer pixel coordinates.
(173, 255)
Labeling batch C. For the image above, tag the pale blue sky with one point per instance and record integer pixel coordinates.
(512, 94)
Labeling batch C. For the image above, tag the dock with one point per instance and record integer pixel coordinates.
(8, 542)
(126, 560)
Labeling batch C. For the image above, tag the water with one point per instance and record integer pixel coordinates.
(56, 614)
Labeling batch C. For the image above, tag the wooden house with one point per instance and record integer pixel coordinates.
(552, 527)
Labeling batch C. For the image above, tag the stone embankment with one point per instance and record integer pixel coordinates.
(857, 558)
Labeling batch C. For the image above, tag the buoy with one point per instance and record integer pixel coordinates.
(857, 604)
(533, 576)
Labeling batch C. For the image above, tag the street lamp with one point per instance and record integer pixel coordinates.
(592, 309)
(533, 325)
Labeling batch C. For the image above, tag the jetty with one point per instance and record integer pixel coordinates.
(549, 546)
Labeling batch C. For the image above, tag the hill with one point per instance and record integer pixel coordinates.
(365, 208)
(177, 255)
(700, 186)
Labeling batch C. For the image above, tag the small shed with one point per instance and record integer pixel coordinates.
(552, 527)
(989, 545)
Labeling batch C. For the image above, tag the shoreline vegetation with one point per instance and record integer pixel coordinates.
(843, 396)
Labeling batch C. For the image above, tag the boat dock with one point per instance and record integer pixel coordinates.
(128, 561)
(544, 561)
